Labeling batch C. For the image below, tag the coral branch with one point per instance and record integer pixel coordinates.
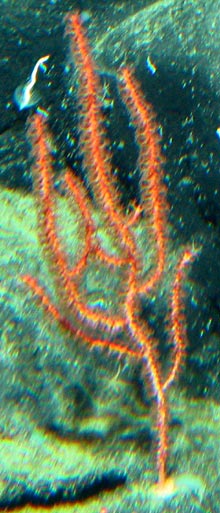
(177, 331)
(79, 333)
(68, 286)
(152, 187)
(94, 145)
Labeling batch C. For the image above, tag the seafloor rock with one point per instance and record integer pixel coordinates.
(71, 416)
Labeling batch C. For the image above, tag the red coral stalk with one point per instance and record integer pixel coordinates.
(96, 326)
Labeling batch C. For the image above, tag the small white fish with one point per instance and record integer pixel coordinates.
(24, 95)
(151, 66)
